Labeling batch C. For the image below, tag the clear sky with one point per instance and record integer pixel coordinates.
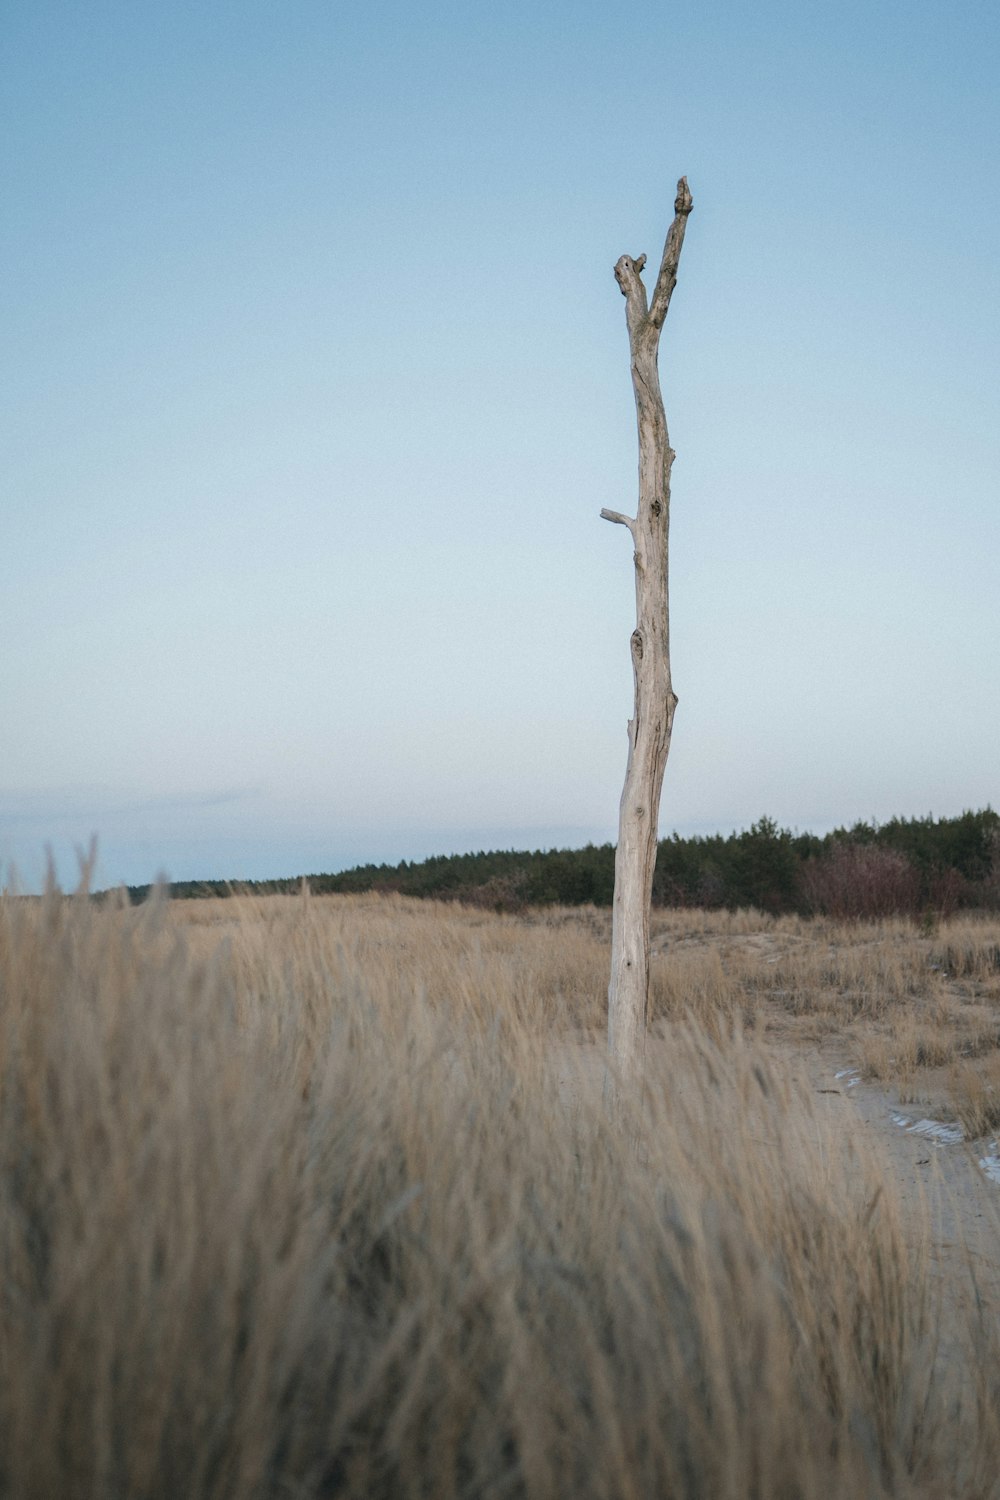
(315, 378)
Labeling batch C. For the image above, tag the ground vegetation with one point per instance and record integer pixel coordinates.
(315, 1196)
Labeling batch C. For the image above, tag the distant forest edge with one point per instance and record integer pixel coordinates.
(908, 866)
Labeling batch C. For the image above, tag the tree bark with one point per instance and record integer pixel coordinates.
(653, 716)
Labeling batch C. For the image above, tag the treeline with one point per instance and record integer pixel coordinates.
(907, 866)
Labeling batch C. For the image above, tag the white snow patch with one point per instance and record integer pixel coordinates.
(940, 1134)
(991, 1166)
(852, 1076)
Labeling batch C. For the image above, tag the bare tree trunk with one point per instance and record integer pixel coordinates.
(650, 726)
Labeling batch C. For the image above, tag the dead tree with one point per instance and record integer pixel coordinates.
(653, 716)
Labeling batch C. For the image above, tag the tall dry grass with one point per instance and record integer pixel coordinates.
(901, 998)
(307, 1198)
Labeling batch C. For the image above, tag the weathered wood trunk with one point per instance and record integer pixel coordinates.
(653, 716)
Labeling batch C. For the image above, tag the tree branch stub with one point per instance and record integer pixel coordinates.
(619, 519)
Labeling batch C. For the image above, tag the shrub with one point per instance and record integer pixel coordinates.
(860, 881)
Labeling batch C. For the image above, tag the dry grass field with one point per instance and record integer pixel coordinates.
(314, 1197)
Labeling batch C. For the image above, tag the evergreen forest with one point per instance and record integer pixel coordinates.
(906, 866)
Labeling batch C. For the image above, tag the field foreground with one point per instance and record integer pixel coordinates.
(306, 1197)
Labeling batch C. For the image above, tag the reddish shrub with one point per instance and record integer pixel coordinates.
(861, 880)
(947, 891)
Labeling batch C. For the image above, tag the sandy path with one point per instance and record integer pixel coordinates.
(945, 1196)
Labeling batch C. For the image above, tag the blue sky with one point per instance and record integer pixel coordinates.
(315, 379)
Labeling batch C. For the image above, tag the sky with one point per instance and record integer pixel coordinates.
(315, 379)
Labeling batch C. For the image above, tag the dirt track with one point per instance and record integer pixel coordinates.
(940, 1184)
(948, 1203)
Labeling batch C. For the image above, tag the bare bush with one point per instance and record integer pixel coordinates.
(861, 881)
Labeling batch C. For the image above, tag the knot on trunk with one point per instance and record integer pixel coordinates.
(636, 644)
